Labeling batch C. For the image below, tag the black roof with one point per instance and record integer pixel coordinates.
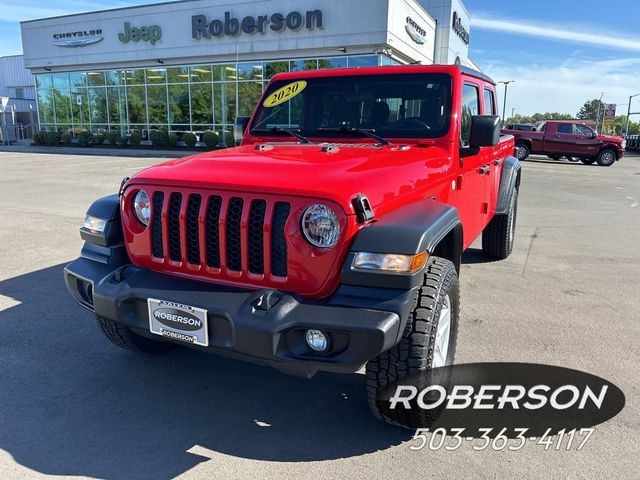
(474, 73)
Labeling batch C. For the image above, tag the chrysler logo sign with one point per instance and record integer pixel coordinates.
(415, 31)
(79, 38)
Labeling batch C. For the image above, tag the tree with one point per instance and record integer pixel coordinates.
(590, 110)
(536, 117)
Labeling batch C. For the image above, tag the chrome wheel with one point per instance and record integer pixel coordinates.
(607, 158)
(443, 332)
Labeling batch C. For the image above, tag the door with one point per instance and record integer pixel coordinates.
(559, 139)
(475, 169)
(586, 141)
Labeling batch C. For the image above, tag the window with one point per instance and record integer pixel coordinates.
(396, 106)
(565, 128)
(470, 107)
(489, 102)
(583, 130)
(19, 92)
(200, 97)
(179, 104)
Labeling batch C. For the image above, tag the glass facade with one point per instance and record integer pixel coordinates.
(192, 98)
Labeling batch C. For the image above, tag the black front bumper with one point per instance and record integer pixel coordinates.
(361, 322)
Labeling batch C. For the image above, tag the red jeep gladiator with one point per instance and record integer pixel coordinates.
(330, 239)
(568, 138)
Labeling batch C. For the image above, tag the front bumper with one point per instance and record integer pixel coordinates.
(361, 322)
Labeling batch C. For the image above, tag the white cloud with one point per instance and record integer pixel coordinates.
(564, 86)
(569, 33)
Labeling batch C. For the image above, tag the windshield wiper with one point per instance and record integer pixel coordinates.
(367, 132)
(289, 131)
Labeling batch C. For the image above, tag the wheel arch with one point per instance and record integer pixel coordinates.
(609, 146)
(426, 225)
(524, 140)
(509, 180)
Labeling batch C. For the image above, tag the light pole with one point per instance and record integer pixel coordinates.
(626, 128)
(504, 105)
(598, 112)
(513, 112)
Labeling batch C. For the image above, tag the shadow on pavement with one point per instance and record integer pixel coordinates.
(475, 255)
(73, 404)
(557, 162)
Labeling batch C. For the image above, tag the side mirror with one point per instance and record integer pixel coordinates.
(239, 126)
(485, 131)
(594, 135)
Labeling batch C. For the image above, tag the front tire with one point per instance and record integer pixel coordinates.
(499, 235)
(124, 337)
(522, 151)
(606, 157)
(428, 341)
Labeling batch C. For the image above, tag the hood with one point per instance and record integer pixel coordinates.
(335, 172)
(611, 138)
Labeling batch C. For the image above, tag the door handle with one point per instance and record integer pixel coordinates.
(484, 169)
(497, 161)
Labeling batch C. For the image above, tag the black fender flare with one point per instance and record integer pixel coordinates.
(420, 226)
(107, 247)
(509, 180)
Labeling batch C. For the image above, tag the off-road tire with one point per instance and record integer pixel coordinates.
(414, 353)
(588, 161)
(498, 236)
(606, 157)
(124, 337)
(522, 151)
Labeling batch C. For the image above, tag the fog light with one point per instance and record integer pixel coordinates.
(317, 340)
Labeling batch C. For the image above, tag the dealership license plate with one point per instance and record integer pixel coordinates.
(176, 321)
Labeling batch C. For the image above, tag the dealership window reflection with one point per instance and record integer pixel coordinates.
(194, 98)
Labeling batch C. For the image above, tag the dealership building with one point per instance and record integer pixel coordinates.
(195, 65)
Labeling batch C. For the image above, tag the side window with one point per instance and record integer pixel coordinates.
(565, 128)
(489, 102)
(470, 106)
(583, 130)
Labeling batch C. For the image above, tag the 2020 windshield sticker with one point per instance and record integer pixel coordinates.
(284, 94)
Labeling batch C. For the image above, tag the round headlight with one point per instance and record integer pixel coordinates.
(320, 226)
(141, 207)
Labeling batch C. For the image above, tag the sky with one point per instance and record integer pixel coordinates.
(560, 53)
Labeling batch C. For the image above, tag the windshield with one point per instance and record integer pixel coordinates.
(399, 105)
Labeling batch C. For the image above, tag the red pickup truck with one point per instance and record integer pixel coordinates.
(330, 239)
(568, 138)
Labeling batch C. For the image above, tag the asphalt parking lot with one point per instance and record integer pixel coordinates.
(73, 405)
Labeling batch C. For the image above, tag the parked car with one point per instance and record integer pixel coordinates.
(330, 239)
(568, 138)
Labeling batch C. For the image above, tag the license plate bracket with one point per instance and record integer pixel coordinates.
(177, 321)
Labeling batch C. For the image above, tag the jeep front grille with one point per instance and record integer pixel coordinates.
(218, 232)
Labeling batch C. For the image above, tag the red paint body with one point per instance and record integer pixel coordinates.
(569, 138)
(305, 174)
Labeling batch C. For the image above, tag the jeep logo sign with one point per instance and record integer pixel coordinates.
(173, 318)
(459, 28)
(201, 27)
(147, 34)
